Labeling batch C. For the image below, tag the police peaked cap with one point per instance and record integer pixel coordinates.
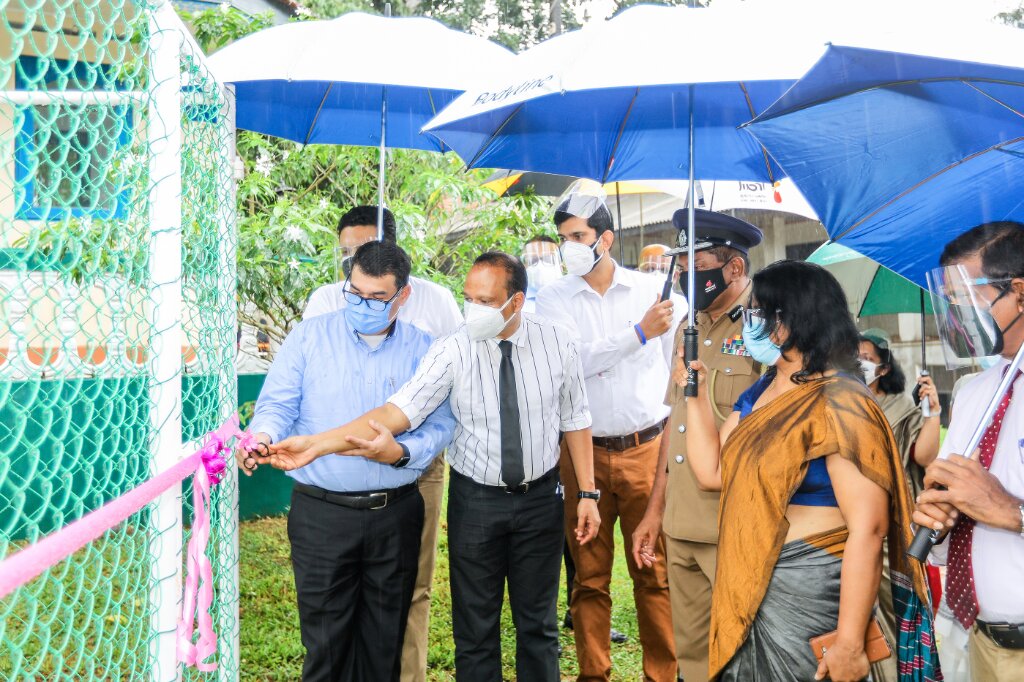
(715, 229)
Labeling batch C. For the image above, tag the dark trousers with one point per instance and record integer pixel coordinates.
(493, 537)
(354, 575)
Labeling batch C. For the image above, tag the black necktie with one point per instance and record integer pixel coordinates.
(508, 411)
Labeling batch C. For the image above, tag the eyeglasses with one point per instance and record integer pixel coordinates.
(376, 304)
(752, 315)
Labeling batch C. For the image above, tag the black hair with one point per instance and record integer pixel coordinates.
(540, 238)
(378, 259)
(808, 301)
(514, 268)
(895, 382)
(1000, 245)
(601, 221)
(367, 215)
(724, 254)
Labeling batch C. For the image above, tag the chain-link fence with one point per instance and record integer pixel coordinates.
(117, 327)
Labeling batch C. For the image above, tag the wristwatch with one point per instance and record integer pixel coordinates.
(594, 495)
(1021, 507)
(404, 459)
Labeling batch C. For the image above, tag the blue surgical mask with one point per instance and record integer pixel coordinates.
(758, 344)
(366, 321)
(989, 361)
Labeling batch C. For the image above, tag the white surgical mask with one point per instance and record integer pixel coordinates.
(870, 371)
(579, 259)
(484, 322)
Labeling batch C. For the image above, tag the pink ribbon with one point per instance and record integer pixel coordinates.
(198, 597)
(209, 467)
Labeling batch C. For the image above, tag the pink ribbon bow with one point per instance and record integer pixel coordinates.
(198, 596)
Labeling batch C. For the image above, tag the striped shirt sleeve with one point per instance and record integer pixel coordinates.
(429, 386)
(574, 411)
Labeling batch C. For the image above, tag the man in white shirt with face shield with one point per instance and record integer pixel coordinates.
(977, 500)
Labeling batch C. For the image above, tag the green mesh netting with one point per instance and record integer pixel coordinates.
(78, 397)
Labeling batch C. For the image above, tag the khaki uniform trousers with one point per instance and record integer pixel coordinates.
(691, 576)
(414, 647)
(991, 662)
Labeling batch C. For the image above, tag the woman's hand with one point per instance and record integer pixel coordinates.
(844, 663)
(680, 375)
(927, 391)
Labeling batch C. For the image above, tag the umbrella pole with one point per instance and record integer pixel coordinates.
(924, 363)
(383, 150)
(618, 208)
(690, 335)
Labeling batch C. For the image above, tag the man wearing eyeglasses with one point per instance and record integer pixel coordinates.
(432, 308)
(686, 515)
(355, 522)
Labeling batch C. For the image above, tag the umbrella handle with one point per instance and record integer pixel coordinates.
(690, 354)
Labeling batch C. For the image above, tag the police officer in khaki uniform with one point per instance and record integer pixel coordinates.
(687, 515)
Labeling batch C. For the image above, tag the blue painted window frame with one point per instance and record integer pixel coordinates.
(71, 76)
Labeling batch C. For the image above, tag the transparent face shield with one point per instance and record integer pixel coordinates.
(543, 264)
(582, 199)
(655, 264)
(963, 302)
(542, 253)
(343, 260)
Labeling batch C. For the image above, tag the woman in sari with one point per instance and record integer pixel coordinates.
(917, 440)
(811, 486)
(917, 436)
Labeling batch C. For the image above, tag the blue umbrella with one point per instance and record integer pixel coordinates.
(654, 93)
(359, 79)
(900, 152)
(613, 101)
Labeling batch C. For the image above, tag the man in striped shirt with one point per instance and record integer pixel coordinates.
(514, 382)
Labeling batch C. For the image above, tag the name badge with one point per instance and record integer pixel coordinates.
(735, 346)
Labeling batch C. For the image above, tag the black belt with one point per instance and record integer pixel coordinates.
(520, 489)
(371, 499)
(1005, 635)
(620, 443)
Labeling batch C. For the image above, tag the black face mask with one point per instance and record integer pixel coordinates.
(709, 285)
(346, 266)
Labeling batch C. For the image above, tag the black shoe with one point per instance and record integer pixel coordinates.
(618, 637)
(567, 621)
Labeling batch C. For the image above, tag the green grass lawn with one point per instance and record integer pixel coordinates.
(272, 651)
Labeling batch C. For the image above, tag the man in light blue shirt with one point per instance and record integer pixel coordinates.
(355, 522)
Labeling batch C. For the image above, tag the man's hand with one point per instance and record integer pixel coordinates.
(645, 539)
(384, 448)
(972, 490)
(248, 460)
(843, 663)
(588, 521)
(658, 319)
(294, 452)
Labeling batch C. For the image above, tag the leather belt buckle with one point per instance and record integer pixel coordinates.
(383, 496)
(520, 489)
(1004, 635)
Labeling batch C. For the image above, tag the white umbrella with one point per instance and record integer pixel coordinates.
(359, 79)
